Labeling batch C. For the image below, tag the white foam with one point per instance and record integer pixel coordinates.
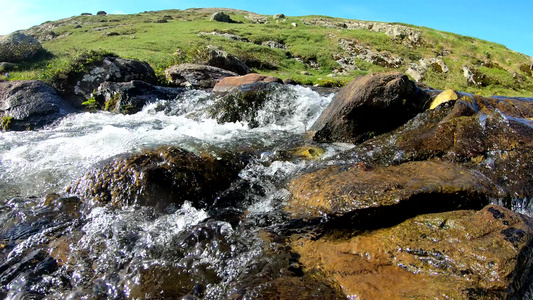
(44, 161)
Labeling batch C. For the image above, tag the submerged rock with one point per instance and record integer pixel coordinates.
(196, 76)
(29, 104)
(456, 255)
(158, 178)
(369, 106)
(377, 196)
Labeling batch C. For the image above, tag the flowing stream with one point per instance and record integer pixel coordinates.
(53, 246)
(109, 253)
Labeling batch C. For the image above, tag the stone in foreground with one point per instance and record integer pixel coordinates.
(158, 178)
(452, 255)
(385, 194)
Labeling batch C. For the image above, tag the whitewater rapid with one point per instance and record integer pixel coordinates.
(34, 163)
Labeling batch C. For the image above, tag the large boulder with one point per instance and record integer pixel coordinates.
(196, 76)
(158, 178)
(247, 82)
(29, 104)
(464, 254)
(130, 97)
(222, 59)
(369, 106)
(78, 86)
(376, 196)
(18, 47)
(493, 136)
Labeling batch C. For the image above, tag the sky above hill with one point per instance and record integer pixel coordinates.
(503, 22)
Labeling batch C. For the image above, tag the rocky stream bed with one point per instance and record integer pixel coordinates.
(256, 189)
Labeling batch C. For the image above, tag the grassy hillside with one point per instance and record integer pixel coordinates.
(307, 49)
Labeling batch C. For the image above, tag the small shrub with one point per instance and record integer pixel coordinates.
(91, 104)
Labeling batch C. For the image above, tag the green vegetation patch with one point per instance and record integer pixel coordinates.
(294, 48)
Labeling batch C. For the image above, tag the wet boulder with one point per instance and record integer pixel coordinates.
(158, 178)
(369, 106)
(493, 136)
(374, 197)
(196, 76)
(463, 254)
(241, 98)
(29, 104)
(224, 60)
(18, 47)
(77, 86)
(249, 82)
(130, 97)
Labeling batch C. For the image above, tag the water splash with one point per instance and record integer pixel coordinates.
(44, 161)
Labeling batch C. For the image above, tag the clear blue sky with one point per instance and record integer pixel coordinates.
(504, 22)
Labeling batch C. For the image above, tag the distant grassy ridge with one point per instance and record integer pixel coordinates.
(165, 38)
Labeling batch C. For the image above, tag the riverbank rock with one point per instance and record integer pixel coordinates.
(369, 106)
(29, 104)
(493, 136)
(77, 87)
(196, 76)
(18, 47)
(224, 60)
(158, 178)
(377, 196)
(131, 97)
(247, 82)
(464, 254)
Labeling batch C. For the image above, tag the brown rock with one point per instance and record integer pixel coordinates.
(229, 84)
(452, 255)
(160, 282)
(386, 194)
(492, 135)
(368, 106)
(157, 178)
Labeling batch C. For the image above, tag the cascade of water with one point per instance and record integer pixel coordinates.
(111, 252)
(44, 161)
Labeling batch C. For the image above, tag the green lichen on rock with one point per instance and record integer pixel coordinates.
(6, 122)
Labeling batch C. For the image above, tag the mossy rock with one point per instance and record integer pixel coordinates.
(240, 106)
(158, 178)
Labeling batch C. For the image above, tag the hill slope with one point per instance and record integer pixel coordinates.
(309, 49)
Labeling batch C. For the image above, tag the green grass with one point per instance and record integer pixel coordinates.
(143, 37)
